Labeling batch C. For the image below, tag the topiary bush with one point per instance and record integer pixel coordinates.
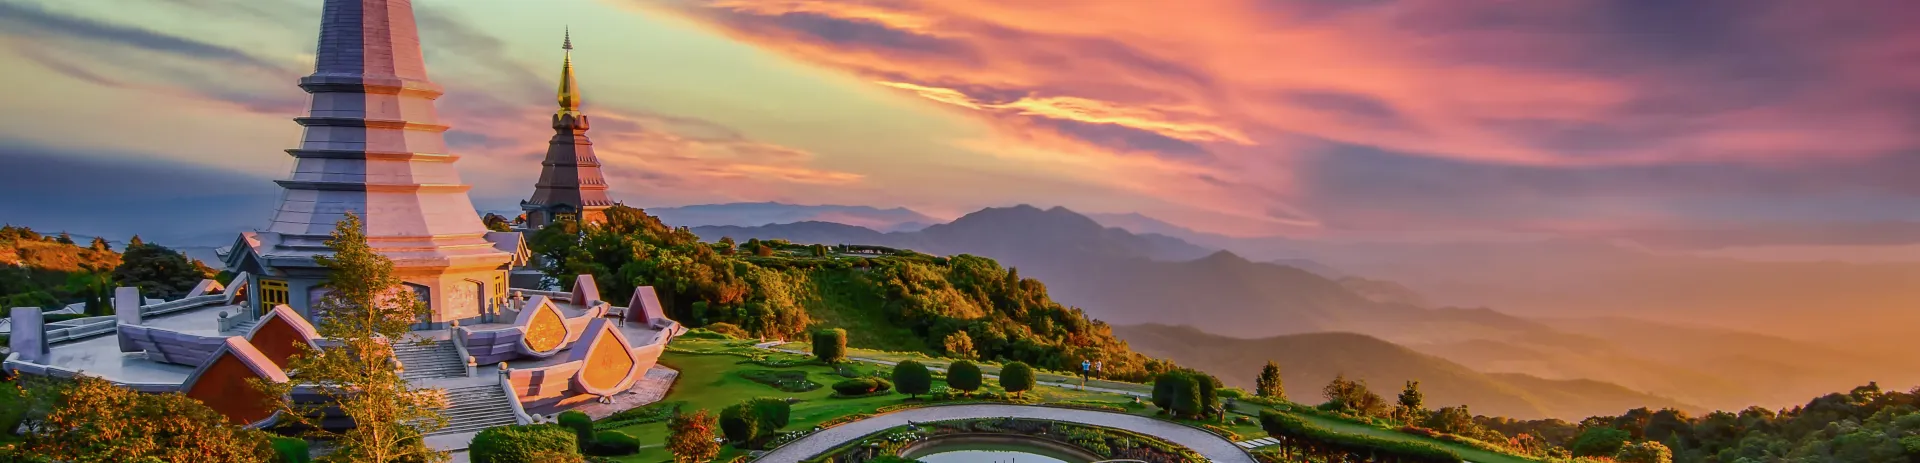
(741, 424)
(913, 378)
(291, 450)
(580, 423)
(613, 444)
(861, 386)
(522, 443)
(1016, 377)
(964, 376)
(830, 345)
(774, 413)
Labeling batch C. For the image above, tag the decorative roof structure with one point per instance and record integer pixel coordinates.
(374, 145)
(570, 180)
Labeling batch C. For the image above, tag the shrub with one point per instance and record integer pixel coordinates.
(729, 330)
(861, 386)
(741, 424)
(291, 450)
(521, 443)
(580, 423)
(613, 443)
(1016, 377)
(912, 378)
(774, 413)
(1644, 452)
(964, 376)
(650, 413)
(830, 345)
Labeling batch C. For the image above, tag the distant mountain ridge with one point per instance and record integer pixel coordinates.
(766, 213)
(1308, 361)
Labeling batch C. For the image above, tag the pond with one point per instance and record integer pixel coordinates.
(995, 449)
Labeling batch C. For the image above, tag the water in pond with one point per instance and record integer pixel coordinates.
(991, 452)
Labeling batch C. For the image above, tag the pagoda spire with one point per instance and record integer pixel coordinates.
(569, 89)
(571, 186)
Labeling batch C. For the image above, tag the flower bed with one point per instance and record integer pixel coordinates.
(1107, 443)
(785, 381)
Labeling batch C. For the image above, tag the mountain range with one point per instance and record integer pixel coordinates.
(1125, 278)
(766, 213)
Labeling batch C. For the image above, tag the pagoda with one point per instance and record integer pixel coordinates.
(374, 145)
(570, 185)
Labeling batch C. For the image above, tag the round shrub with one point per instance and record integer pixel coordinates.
(519, 443)
(612, 444)
(964, 376)
(1016, 377)
(861, 386)
(913, 378)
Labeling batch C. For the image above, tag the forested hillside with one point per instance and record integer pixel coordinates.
(49, 271)
(963, 306)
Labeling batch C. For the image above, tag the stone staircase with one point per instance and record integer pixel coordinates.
(242, 328)
(473, 408)
(430, 361)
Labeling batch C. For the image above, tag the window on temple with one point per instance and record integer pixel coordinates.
(563, 217)
(499, 289)
(272, 293)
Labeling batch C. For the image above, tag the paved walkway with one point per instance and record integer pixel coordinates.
(1213, 447)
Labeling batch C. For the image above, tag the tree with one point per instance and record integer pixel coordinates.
(912, 378)
(1598, 442)
(964, 376)
(1412, 404)
(1016, 378)
(365, 309)
(496, 222)
(690, 437)
(1452, 420)
(774, 413)
(958, 345)
(135, 241)
(1352, 396)
(830, 345)
(1268, 384)
(99, 244)
(157, 270)
(64, 238)
(92, 420)
(1644, 452)
(741, 424)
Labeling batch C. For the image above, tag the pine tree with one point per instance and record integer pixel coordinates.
(99, 244)
(1268, 384)
(135, 242)
(365, 307)
(1412, 403)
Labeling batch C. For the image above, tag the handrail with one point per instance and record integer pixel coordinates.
(459, 335)
(519, 411)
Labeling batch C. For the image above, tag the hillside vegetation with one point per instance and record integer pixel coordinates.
(1310, 360)
(963, 306)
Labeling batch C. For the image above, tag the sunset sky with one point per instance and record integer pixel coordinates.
(1691, 123)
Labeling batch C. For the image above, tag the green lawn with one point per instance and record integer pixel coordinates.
(709, 380)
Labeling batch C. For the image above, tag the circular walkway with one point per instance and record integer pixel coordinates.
(1215, 448)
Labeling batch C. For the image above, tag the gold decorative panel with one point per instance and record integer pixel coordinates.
(546, 330)
(608, 363)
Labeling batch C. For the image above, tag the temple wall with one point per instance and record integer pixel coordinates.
(224, 388)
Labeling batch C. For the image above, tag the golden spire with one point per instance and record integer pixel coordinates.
(569, 91)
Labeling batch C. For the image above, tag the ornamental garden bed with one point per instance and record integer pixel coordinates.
(1105, 443)
(784, 380)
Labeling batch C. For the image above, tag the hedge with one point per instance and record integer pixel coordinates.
(1301, 434)
(861, 386)
(291, 450)
(613, 444)
(521, 443)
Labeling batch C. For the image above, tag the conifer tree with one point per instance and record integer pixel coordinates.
(1268, 384)
(364, 310)
(1412, 403)
(135, 242)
